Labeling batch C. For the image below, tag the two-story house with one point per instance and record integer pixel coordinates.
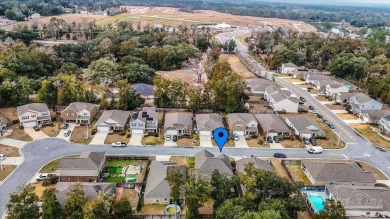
(335, 88)
(362, 101)
(384, 125)
(80, 113)
(242, 124)
(284, 101)
(178, 123)
(33, 114)
(289, 68)
(144, 122)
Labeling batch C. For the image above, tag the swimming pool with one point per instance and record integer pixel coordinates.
(317, 202)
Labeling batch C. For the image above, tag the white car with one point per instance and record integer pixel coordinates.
(2, 156)
(236, 138)
(43, 176)
(118, 144)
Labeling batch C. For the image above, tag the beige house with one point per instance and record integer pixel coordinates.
(80, 113)
(242, 124)
(304, 127)
(112, 120)
(33, 114)
(323, 173)
(272, 125)
(207, 123)
(178, 123)
(85, 168)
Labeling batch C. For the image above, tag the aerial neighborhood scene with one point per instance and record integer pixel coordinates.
(208, 109)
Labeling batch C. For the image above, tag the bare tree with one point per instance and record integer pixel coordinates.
(197, 68)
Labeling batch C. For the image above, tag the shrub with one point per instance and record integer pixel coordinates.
(93, 131)
(46, 182)
(122, 133)
(260, 142)
(254, 136)
(321, 137)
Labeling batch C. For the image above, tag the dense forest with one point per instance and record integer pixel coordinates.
(363, 62)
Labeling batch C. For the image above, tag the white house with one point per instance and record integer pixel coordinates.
(144, 122)
(304, 127)
(384, 125)
(289, 68)
(334, 88)
(283, 101)
(33, 114)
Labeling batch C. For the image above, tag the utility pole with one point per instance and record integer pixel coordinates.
(338, 141)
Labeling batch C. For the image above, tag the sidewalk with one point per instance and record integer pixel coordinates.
(13, 142)
(12, 161)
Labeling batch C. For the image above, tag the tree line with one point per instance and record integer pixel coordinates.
(364, 62)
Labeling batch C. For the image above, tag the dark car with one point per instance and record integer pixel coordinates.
(300, 110)
(174, 138)
(306, 140)
(325, 121)
(313, 141)
(320, 116)
(301, 103)
(311, 107)
(302, 99)
(36, 128)
(280, 155)
(276, 139)
(330, 126)
(269, 139)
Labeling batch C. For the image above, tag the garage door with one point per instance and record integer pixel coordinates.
(240, 133)
(208, 133)
(103, 128)
(29, 124)
(171, 132)
(137, 131)
(272, 134)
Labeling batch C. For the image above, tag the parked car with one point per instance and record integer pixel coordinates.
(315, 150)
(269, 139)
(306, 140)
(302, 99)
(236, 138)
(313, 141)
(36, 128)
(276, 139)
(167, 137)
(67, 133)
(118, 144)
(301, 103)
(2, 156)
(325, 121)
(321, 93)
(44, 176)
(174, 138)
(280, 155)
(300, 110)
(64, 126)
(320, 116)
(330, 126)
(311, 107)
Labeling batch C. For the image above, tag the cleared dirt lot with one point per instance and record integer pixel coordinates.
(172, 16)
(237, 66)
(184, 74)
(69, 18)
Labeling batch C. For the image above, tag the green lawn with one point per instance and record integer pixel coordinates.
(116, 179)
(114, 170)
(119, 163)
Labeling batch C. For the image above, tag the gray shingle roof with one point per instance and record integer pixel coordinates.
(143, 89)
(259, 164)
(302, 123)
(271, 121)
(258, 84)
(156, 184)
(362, 98)
(318, 77)
(245, 117)
(387, 118)
(110, 117)
(373, 198)
(178, 120)
(375, 115)
(92, 190)
(206, 163)
(150, 113)
(79, 106)
(271, 89)
(339, 172)
(208, 122)
(86, 160)
(290, 64)
(38, 107)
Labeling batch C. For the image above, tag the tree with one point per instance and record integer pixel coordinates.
(197, 68)
(277, 205)
(47, 94)
(70, 68)
(332, 210)
(122, 208)
(70, 89)
(103, 71)
(176, 179)
(99, 208)
(202, 44)
(135, 72)
(197, 192)
(229, 209)
(23, 204)
(222, 188)
(128, 97)
(51, 208)
(75, 201)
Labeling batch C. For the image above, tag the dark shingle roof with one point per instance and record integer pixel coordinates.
(143, 89)
(86, 160)
(206, 163)
(208, 122)
(339, 172)
(259, 164)
(271, 121)
(113, 116)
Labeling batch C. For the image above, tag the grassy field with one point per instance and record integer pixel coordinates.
(18, 133)
(7, 169)
(180, 160)
(151, 140)
(79, 133)
(297, 174)
(287, 143)
(115, 179)
(367, 132)
(152, 209)
(334, 106)
(9, 151)
(237, 66)
(52, 130)
(113, 19)
(185, 142)
(255, 142)
(294, 80)
(39, 189)
(115, 138)
(119, 163)
(346, 116)
(132, 195)
(321, 98)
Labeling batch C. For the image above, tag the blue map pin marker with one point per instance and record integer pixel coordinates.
(220, 136)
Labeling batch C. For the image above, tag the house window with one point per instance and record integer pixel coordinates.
(253, 125)
(45, 114)
(133, 123)
(185, 131)
(85, 114)
(25, 117)
(140, 124)
(238, 125)
(33, 116)
(69, 114)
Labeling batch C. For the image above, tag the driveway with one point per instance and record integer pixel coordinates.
(241, 143)
(13, 142)
(170, 143)
(136, 139)
(36, 135)
(99, 137)
(61, 134)
(12, 161)
(276, 145)
(205, 141)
